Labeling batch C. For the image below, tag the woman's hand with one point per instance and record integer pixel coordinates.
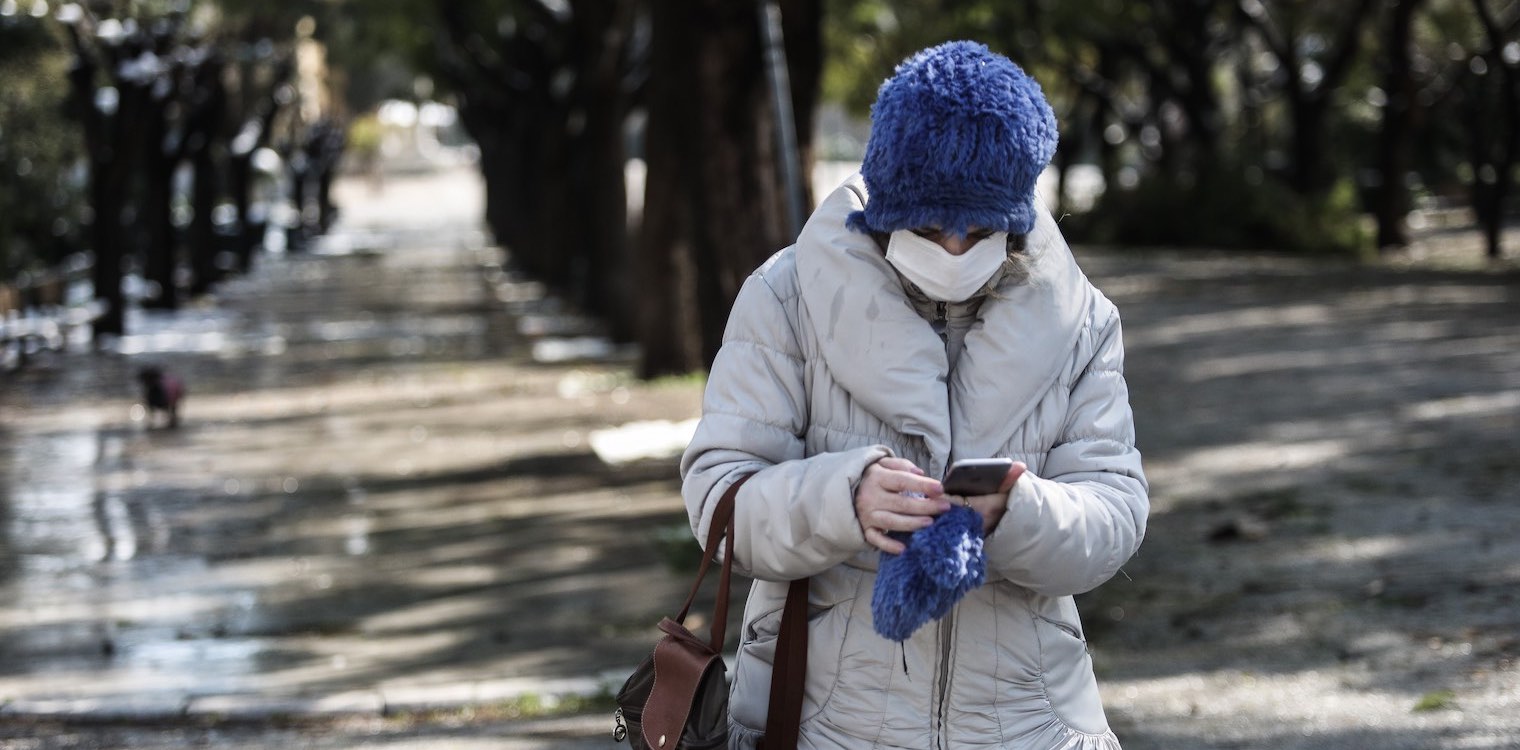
(882, 503)
(992, 507)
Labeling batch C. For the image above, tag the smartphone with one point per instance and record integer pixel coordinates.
(976, 476)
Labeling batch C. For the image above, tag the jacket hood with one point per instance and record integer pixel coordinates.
(878, 348)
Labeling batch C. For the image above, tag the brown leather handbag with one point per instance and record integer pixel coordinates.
(678, 697)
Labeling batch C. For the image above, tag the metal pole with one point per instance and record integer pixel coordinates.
(786, 129)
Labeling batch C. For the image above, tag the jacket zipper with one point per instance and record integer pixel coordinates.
(946, 638)
(947, 626)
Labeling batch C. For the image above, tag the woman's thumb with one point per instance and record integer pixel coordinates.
(1012, 477)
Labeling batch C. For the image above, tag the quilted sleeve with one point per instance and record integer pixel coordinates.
(1068, 531)
(796, 516)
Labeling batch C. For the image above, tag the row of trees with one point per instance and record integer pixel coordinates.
(38, 194)
(119, 103)
(1264, 123)
(551, 91)
(1254, 123)
(1261, 122)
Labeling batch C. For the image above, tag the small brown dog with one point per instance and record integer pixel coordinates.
(162, 392)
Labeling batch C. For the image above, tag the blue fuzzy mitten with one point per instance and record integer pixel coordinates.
(941, 563)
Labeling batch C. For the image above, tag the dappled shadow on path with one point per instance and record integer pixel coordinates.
(1332, 455)
(1331, 451)
(1294, 738)
(373, 491)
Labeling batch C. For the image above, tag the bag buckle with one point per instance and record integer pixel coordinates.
(619, 729)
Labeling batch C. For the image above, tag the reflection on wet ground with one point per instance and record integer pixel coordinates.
(374, 498)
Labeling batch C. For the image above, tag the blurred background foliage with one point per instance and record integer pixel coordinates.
(1257, 124)
(1246, 123)
(40, 195)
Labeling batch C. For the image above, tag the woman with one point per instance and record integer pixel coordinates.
(930, 311)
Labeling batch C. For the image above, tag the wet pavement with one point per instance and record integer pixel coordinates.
(375, 503)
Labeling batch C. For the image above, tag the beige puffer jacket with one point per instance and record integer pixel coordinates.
(825, 368)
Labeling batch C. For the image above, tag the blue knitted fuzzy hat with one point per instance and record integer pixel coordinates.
(959, 134)
(941, 563)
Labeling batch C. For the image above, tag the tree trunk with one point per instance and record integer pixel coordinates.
(553, 154)
(533, 173)
(802, 28)
(250, 228)
(1191, 50)
(1307, 116)
(738, 199)
(1108, 153)
(158, 199)
(204, 133)
(484, 128)
(105, 201)
(202, 242)
(499, 82)
(111, 140)
(106, 198)
(714, 201)
(1309, 106)
(552, 228)
(1495, 151)
(495, 171)
(667, 320)
(1392, 195)
(1508, 154)
(601, 33)
(1485, 209)
(523, 161)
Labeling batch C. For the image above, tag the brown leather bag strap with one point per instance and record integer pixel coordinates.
(789, 672)
(722, 525)
(720, 606)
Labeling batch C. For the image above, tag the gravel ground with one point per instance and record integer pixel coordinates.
(1332, 556)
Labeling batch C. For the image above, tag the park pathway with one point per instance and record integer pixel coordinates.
(383, 498)
(387, 521)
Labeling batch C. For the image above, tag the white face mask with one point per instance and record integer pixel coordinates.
(942, 276)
